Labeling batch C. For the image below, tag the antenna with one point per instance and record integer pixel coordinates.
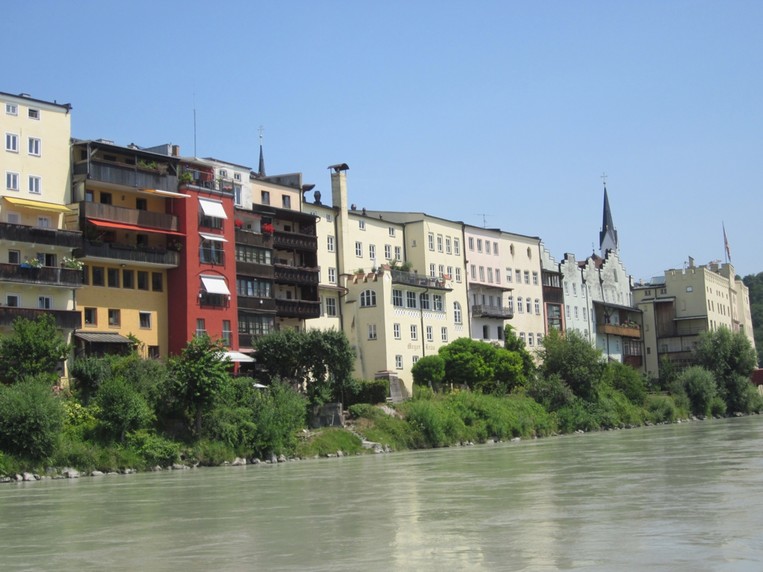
(484, 218)
(194, 124)
(604, 179)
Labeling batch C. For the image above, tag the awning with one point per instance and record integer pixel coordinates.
(238, 357)
(135, 227)
(103, 337)
(212, 237)
(215, 285)
(212, 208)
(166, 193)
(39, 205)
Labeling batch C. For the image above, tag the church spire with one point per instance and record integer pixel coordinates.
(261, 169)
(608, 234)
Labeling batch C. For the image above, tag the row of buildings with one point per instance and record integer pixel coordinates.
(128, 245)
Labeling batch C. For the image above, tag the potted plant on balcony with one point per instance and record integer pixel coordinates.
(185, 178)
(175, 245)
(32, 263)
(267, 228)
(238, 223)
(72, 263)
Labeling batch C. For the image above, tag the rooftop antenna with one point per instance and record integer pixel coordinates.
(194, 124)
(484, 219)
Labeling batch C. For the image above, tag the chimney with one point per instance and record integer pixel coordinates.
(176, 150)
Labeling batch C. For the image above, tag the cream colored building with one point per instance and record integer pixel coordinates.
(35, 274)
(683, 303)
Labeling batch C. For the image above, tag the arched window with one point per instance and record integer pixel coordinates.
(456, 312)
(367, 298)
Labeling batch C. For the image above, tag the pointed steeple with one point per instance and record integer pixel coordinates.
(261, 169)
(608, 234)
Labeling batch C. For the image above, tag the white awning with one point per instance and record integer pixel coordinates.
(212, 208)
(238, 357)
(214, 237)
(215, 285)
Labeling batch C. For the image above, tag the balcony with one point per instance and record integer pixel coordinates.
(65, 319)
(413, 279)
(251, 238)
(500, 312)
(298, 309)
(285, 274)
(294, 241)
(43, 276)
(132, 176)
(255, 270)
(619, 330)
(264, 305)
(128, 253)
(553, 295)
(134, 217)
(37, 235)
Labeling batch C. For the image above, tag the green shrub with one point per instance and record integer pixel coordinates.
(211, 453)
(9, 465)
(661, 409)
(699, 386)
(614, 409)
(328, 441)
(88, 374)
(121, 408)
(372, 391)
(362, 410)
(717, 407)
(433, 426)
(278, 413)
(31, 418)
(80, 422)
(232, 425)
(429, 371)
(627, 380)
(154, 450)
(741, 395)
(576, 416)
(550, 391)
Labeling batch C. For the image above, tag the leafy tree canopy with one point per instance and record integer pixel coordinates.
(483, 366)
(35, 347)
(578, 364)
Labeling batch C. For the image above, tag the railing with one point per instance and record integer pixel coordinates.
(149, 219)
(413, 279)
(553, 295)
(503, 312)
(167, 258)
(267, 305)
(290, 240)
(34, 234)
(211, 256)
(254, 269)
(294, 275)
(619, 330)
(128, 175)
(298, 308)
(47, 275)
(252, 238)
(65, 319)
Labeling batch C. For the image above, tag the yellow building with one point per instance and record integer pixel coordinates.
(683, 303)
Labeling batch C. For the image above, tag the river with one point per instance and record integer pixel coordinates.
(678, 497)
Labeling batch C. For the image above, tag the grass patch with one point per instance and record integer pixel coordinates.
(328, 441)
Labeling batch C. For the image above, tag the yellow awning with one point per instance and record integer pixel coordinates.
(39, 205)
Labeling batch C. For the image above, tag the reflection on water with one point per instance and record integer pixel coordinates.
(680, 497)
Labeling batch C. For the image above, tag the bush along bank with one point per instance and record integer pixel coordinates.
(124, 413)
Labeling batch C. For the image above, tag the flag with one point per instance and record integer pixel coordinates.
(726, 244)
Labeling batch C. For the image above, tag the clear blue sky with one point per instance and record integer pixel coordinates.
(508, 109)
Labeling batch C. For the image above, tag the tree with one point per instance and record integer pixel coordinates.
(755, 283)
(35, 347)
(121, 408)
(31, 418)
(196, 377)
(514, 344)
(699, 386)
(577, 363)
(429, 371)
(483, 366)
(627, 380)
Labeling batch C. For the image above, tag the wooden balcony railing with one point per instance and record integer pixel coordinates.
(65, 319)
(619, 330)
(298, 308)
(165, 258)
(501, 312)
(294, 241)
(37, 235)
(44, 275)
(294, 275)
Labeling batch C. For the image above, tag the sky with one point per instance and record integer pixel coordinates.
(496, 113)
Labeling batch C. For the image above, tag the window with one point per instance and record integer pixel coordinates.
(527, 276)
(201, 326)
(396, 331)
(128, 279)
(518, 275)
(539, 338)
(253, 254)
(237, 192)
(211, 252)
(424, 300)
(499, 332)
(227, 334)
(34, 113)
(497, 275)
(537, 306)
(157, 281)
(432, 271)
(372, 251)
(145, 319)
(410, 298)
(98, 276)
(43, 302)
(14, 257)
(444, 334)
(490, 275)
(331, 306)
(458, 274)
(11, 181)
(391, 231)
(414, 332)
(398, 253)
(91, 317)
(367, 298)
(361, 224)
(35, 184)
(440, 270)
(439, 243)
(479, 245)
(520, 306)
(286, 201)
(11, 109)
(487, 247)
(265, 197)
(495, 251)
(12, 142)
(430, 240)
(530, 339)
(332, 275)
(567, 310)
(142, 279)
(371, 331)
(329, 218)
(482, 273)
(113, 277)
(474, 271)
(509, 275)
(430, 334)
(115, 318)
(253, 287)
(330, 243)
(448, 248)
(34, 146)
(485, 332)
(359, 249)
(387, 252)
(43, 222)
(437, 303)
(457, 316)
(535, 278)
(398, 362)
(470, 242)
(456, 247)
(576, 312)
(12, 301)
(397, 298)
(414, 359)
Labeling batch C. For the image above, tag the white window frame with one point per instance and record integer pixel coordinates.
(11, 109)
(456, 247)
(457, 313)
(372, 331)
(332, 275)
(398, 361)
(34, 113)
(331, 306)
(414, 332)
(458, 274)
(330, 242)
(11, 181)
(430, 241)
(35, 185)
(396, 331)
(11, 142)
(430, 334)
(372, 251)
(387, 251)
(34, 146)
(141, 316)
(361, 224)
(444, 333)
(359, 249)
